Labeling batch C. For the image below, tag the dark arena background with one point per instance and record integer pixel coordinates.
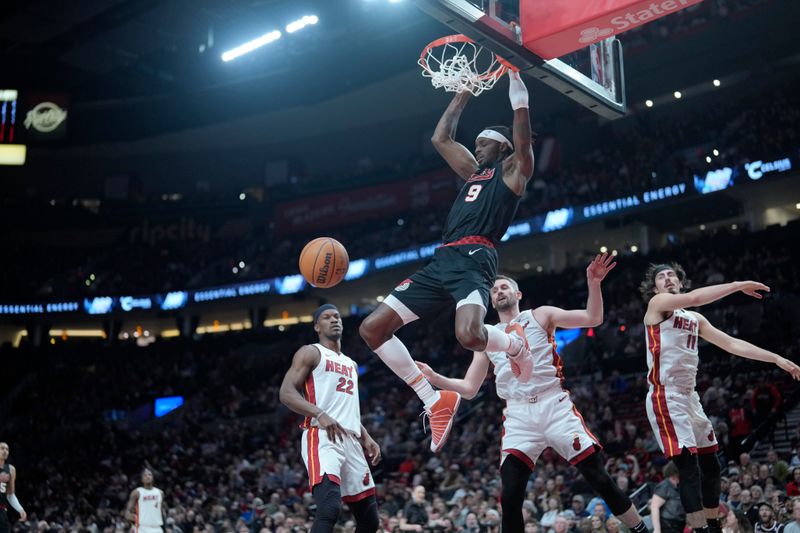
(164, 162)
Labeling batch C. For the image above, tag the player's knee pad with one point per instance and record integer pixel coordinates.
(689, 481)
(328, 497)
(365, 513)
(597, 477)
(709, 479)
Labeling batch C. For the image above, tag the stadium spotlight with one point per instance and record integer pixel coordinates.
(634, 248)
(299, 24)
(708, 159)
(677, 94)
(614, 253)
(395, 1)
(702, 227)
(249, 46)
(242, 196)
(241, 264)
(648, 103)
(539, 268)
(716, 83)
(379, 298)
(526, 266)
(715, 152)
(603, 249)
(797, 206)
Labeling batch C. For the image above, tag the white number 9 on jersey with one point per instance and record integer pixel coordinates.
(473, 192)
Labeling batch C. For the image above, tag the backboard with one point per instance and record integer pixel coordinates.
(593, 76)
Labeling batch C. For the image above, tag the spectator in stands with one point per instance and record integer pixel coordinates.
(767, 522)
(665, 507)
(741, 426)
(794, 525)
(736, 522)
(793, 486)
(766, 400)
(415, 517)
(578, 507)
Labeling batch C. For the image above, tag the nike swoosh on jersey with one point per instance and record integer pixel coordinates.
(476, 250)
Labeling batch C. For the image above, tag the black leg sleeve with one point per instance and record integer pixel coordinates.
(709, 479)
(366, 514)
(689, 483)
(514, 474)
(597, 477)
(328, 498)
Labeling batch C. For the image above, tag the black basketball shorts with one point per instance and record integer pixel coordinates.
(451, 276)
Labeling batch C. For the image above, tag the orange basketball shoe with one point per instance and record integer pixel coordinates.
(441, 416)
(519, 353)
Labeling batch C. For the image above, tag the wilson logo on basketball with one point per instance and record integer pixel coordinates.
(322, 275)
(403, 286)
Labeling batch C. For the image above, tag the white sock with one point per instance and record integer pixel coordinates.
(395, 354)
(497, 340)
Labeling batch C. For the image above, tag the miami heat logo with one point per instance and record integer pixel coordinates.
(403, 286)
(366, 479)
(576, 444)
(711, 436)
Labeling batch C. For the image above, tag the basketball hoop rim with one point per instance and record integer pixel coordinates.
(461, 38)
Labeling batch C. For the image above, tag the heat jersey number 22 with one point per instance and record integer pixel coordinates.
(345, 385)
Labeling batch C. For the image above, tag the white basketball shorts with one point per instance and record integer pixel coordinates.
(549, 419)
(678, 421)
(343, 462)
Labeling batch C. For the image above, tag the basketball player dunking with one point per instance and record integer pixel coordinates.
(146, 507)
(8, 496)
(464, 267)
(322, 385)
(683, 431)
(540, 413)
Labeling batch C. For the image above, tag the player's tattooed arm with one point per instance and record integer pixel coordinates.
(467, 387)
(743, 348)
(460, 159)
(521, 169)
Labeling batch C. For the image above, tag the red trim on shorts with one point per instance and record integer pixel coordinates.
(585, 427)
(309, 393)
(471, 239)
(583, 455)
(666, 429)
(314, 475)
(521, 456)
(360, 496)
(708, 449)
(334, 479)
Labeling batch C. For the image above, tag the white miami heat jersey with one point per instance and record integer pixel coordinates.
(333, 386)
(148, 508)
(672, 350)
(547, 367)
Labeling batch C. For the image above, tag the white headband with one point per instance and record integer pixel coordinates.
(495, 136)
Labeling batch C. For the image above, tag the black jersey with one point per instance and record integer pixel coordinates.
(484, 208)
(5, 480)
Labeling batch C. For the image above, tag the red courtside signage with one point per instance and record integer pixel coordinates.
(553, 28)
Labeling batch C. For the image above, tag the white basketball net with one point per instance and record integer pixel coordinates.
(462, 66)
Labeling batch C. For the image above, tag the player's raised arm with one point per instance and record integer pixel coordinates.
(520, 173)
(743, 348)
(457, 156)
(304, 361)
(469, 386)
(555, 317)
(667, 302)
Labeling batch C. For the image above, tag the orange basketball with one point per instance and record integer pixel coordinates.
(324, 262)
